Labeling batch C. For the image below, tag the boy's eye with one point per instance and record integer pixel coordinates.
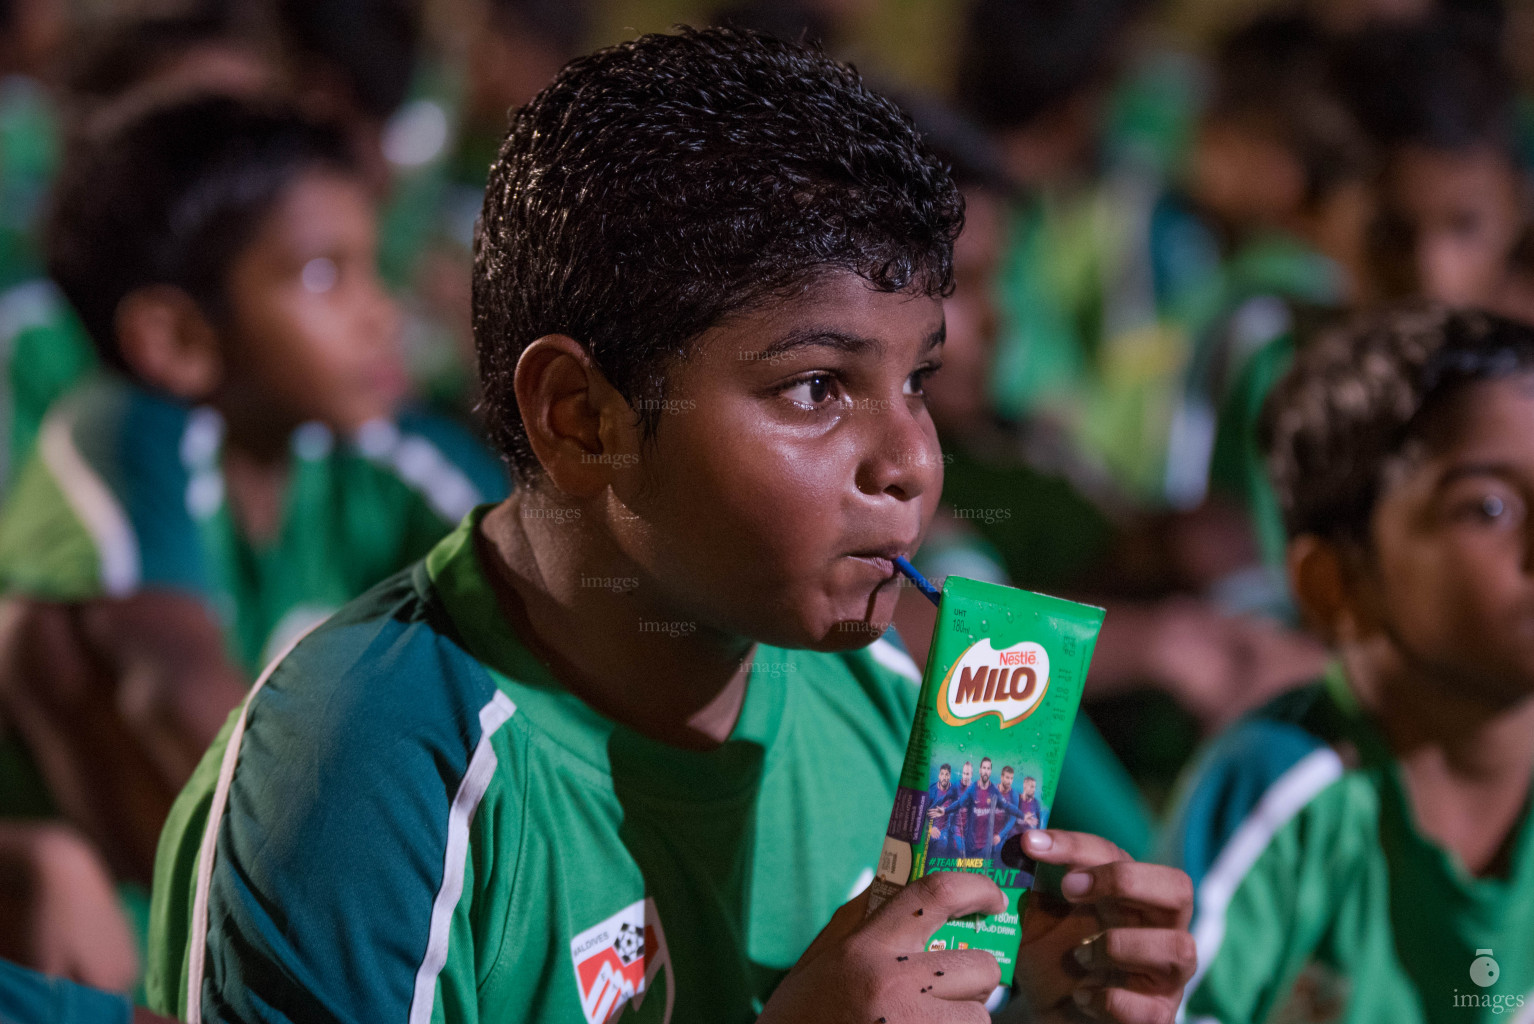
(1492, 509)
(319, 275)
(813, 391)
(916, 384)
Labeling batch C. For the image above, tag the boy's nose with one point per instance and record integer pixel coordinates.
(383, 319)
(903, 458)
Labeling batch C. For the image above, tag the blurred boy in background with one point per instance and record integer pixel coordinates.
(27, 997)
(44, 347)
(31, 32)
(242, 467)
(62, 912)
(1104, 271)
(1399, 146)
(1453, 200)
(1286, 174)
(1358, 844)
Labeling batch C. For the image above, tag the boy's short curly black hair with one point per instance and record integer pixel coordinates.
(1360, 396)
(172, 195)
(659, 185)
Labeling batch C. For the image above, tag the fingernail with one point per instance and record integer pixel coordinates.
(1039, 841)
(1081, 997)
(1083, 954)
(1077, 883)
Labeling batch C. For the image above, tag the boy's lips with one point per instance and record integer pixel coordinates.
(882, 558)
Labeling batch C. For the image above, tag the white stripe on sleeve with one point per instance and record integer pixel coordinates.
(476, 780)
(1282, 801)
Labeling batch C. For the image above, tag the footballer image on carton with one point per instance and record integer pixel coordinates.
(999, 695)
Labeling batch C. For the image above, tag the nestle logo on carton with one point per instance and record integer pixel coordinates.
(1008, 683)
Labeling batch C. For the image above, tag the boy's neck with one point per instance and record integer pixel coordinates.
(681, 685)
(1467, 760)
(257, 461)
(256, 484)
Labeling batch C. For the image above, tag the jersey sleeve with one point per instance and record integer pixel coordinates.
(1255, 829)
(447, 470)
(104, 505)
(346, 846)
(465, 452)
(48, 354)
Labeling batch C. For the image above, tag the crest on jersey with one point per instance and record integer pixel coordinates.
(617, 962)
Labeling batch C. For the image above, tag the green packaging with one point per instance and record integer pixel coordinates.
(998, 697)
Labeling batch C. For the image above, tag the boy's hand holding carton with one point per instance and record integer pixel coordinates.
(1114, 947)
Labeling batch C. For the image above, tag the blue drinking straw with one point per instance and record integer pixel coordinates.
(917, 578)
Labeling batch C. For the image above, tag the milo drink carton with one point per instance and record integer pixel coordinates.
(999, 695)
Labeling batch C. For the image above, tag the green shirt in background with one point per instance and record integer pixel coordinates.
(29, 155)
(124, 493)
(46, 353)
(411, 819)
(1102, 294)
(1319, 899)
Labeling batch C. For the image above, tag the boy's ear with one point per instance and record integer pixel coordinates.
(168, 342)
(578, 425)
(1327, 595)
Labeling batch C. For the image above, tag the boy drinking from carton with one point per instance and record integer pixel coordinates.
(240, 472)
(1361, 844)
(707, 292)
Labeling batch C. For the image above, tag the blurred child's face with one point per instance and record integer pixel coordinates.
(957, 396)
(311, 333)
(1244, 177)
(794, 458)
(1453, 539)
(1449, 222)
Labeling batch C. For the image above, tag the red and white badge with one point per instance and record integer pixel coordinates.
(617, 962)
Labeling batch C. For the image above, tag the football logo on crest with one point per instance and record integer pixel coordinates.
(629, 944)
(617, 961)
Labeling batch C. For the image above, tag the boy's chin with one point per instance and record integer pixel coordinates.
(848, 635)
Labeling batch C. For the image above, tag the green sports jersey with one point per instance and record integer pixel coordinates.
(1101, 295)
(123, 493)
(29, 152)
(1318, 899)
(46, 353)
(411, 820)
